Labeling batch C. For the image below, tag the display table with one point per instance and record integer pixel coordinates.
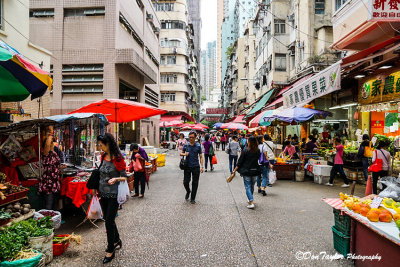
(371, 238)
(76, 191)
(285, 171)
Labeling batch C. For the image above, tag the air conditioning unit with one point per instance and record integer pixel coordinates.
(174, 50)
(290, 17)
(300, 44)
(149, 17)
(157, 30)
(292, 53)
(267, 29)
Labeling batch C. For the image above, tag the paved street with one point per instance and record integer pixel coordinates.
(164, 230)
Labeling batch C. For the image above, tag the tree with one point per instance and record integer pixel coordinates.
(229, 51)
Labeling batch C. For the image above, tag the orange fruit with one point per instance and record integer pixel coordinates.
(373, 215)
(364, 211)
(356, 208)
(385, 217)
(396, 216)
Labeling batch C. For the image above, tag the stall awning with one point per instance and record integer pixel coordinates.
(322, 83)
(171, 118)
(239, 119)
(366, 52)
(276, 101)
(260, 103)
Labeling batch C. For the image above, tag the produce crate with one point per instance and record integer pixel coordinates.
(342, 222)
(7, 200)
(21, 194)
(321, 179)
(59, 248)
(341, 242)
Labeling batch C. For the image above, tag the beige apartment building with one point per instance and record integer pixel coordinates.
(179, 72)
(220, 20)
(101, 49)
(14, 30)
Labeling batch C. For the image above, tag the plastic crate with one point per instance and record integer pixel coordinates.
(59, 248)
(341, 242)
(342, 222)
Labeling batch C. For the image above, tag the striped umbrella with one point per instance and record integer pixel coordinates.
(19, 78)
(259, 120)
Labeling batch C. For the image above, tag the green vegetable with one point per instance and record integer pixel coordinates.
(4, 215)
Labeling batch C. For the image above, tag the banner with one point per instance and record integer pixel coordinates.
(322, 83)
(217, 111)
(212, 119)
(384, 10)
(382, 88)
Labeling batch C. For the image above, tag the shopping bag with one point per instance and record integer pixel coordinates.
(123, 192)
(368, 151)
(377, 165)
(214, 160)
(272, 177)
(139, 166)
(94, 211)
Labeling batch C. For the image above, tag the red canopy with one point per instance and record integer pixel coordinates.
(239, 119)
(120, 111)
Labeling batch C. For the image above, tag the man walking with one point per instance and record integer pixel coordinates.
(192, 152)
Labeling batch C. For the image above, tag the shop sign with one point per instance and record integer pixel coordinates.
(384, 10)
(217, 111)
(380, 89)
(324, 82)
(212, 118)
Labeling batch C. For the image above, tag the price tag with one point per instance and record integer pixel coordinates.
(376, 202)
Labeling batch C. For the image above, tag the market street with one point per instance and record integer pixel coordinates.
(164, 230)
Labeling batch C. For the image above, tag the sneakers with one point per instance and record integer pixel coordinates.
(187, 195)
(259, 190)
(192, 201)
(263, 193)
(329, 184)
(269, 185)
(345, 185)
(251, 206)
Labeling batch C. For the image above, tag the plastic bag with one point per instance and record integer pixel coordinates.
(138, 167)
(123, 192)
(392, 189)
(272, 177)
(214, 160)
(56, 218)
(94, 211)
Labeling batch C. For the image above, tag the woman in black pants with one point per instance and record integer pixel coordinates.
(381, 153)
(112, 171)
(140, 176)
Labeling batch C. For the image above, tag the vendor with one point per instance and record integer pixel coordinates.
(50, 182)
(311, 146)
(289, 150)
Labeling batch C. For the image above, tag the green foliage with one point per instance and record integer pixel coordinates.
(229, 51)
(208, 123)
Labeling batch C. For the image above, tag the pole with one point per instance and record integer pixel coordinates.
(116, 124)
(40, 157)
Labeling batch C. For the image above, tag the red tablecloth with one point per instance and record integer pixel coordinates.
(76, 191)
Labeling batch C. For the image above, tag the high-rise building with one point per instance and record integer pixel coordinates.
(209, 69)
(204, 75)
(220, 20)
(244, 10)
(101, 49)
(228, 32)
(179, 67)
(194, 7)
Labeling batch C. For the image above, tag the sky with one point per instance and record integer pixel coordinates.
(209, 22)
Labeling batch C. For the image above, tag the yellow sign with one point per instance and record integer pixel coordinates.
(380, 89)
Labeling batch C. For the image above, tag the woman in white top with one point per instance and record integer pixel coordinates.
(380, 153)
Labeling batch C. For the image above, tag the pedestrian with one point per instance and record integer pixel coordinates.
(217, 142)
(193, 153)
(249, 168)
(269, 146)
(140, 176)
(181, 142)
(311, 145)
(243, 141)
(223, 141)
(208, 152)
(289, 150)
(50, 183)
(380, 153)
(262, 179)
(112, 171)
(338, 164)
(233, 149)
(361, 154)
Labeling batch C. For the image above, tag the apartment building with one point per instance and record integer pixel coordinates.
(14, 30)
(220, 20)
(101, 49)
(179, 65)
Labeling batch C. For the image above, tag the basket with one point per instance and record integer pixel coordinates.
(21, 194)
(31, 262)
(59, 248)
(341, 242)
(342, 222)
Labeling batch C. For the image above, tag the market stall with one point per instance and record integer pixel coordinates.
(367, 226)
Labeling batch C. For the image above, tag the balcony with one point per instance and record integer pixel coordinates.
(357, 26)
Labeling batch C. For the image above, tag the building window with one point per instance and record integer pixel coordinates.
(164, 6)
(165, 42)
(151, 97)
(168, 78)
(41, 13)
(171, 60)
(83, 68)
(320, 7)
(339, 3)
(127, 26)
(280, 62)
(82, 78)
(78, 12)
(78, 89)
(140, 4)
(167, 97)
(280, 26)
(173, 24)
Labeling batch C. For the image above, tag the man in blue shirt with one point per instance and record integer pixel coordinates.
(192, 152)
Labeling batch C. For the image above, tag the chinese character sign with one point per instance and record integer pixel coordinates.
(388, 10)
(216, 111)
(319, 85)
(380, 89)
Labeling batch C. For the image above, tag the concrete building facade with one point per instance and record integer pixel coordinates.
(179, 65)
(101, 49)
(14, 30)
(220, 19)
